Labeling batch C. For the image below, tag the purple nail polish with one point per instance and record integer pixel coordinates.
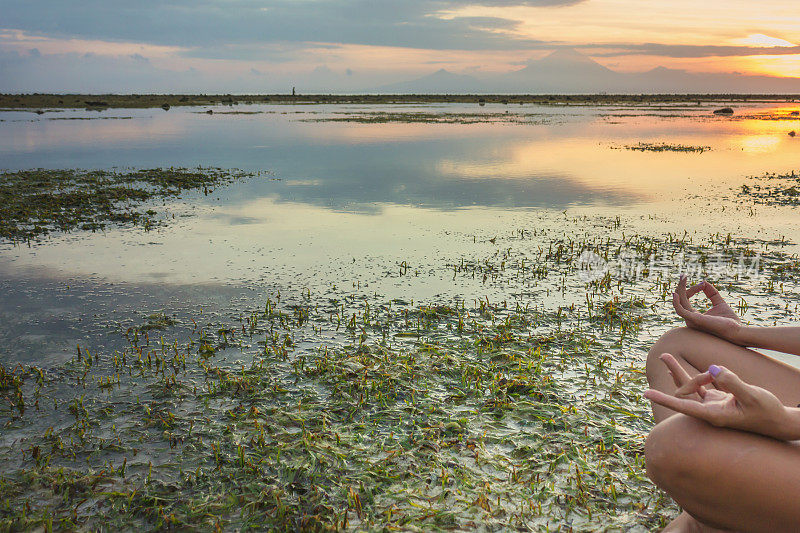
(714, 370)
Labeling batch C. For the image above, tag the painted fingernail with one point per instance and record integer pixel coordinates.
(714, 370)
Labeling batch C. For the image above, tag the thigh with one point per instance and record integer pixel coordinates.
(699, 350)
(727, 478)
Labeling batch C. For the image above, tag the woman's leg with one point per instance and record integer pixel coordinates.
(726, 478)
(696, 351)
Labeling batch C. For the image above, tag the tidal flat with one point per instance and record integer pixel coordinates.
(426, 324)
(41, 101)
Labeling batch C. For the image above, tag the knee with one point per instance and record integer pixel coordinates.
(673, 341)
(674, 452)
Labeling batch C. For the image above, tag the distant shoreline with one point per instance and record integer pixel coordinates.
(106, 101)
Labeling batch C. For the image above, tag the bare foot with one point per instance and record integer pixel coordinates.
(685, 523)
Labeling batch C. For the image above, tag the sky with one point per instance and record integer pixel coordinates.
(270, 45)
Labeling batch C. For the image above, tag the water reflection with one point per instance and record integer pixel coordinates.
(350, 201)
(378, 192)
(760, 144)
(562, 157)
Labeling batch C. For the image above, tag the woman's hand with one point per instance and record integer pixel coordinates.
(732, 404)
(720, 320)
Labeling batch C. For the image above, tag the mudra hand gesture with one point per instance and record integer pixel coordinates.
(732, 404)
(719, 320)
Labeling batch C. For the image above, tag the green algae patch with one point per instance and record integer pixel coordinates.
(664, 147)
(447, 431)
(773, 189)
(428, 118)
(36, 202)
(335, 412)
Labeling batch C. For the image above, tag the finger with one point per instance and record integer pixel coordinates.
(694, 289)
(712, 294)
(695, 385)
(679, 307)
(681, 405)
(693, 318)
(678, 372)
(686, 383)
(726, 380)
(689, 315)
(682, 293)
(700, 321)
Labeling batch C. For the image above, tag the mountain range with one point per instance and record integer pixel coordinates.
(569, 71)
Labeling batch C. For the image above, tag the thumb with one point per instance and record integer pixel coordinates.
(695, 385)
(728, 381)
(712, 293)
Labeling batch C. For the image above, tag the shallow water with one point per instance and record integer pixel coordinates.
(340, 207)
(403, 213)
(385, 192)
(344, 204)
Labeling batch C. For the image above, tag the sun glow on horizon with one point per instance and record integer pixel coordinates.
(782, 66)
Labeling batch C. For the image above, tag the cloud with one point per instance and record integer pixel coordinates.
(278, 42)
(208, 24)
(22, 72)
(491, 23)
(687, 50)
(88, 73)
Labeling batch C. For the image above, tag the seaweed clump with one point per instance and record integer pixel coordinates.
(328, 411)
(774, 189)
(381, 117)
(665, 147)
(36, 202)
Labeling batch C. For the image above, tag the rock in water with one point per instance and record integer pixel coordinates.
(165, 107)
(724, 111)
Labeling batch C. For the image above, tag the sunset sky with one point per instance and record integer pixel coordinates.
(213, 44)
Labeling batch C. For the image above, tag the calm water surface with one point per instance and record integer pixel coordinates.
(344, 204)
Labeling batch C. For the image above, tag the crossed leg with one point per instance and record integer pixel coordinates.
(723, 478)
